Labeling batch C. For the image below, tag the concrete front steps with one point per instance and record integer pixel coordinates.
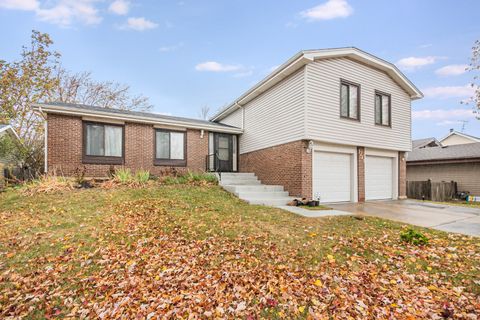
(247, 187)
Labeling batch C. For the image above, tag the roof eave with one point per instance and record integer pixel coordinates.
(306, 56)
(46, 108)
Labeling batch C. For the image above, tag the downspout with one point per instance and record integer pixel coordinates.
(45, 143)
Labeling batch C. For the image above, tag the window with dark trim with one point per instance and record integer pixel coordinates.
(349, 100)
(170, 147)
(383, 109)
(103, 143)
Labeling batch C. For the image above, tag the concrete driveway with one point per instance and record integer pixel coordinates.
(425, 214)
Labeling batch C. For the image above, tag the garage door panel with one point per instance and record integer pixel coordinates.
(332, 176)
(378, 178)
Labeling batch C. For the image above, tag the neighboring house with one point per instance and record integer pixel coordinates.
(333, 123)
(425, 143)
(455, 137)
(6, 129)
(459, 163)
(456, 157)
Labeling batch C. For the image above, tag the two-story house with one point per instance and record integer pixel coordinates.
(332, 124)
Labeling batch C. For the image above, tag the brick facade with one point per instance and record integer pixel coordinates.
(65, 148)
(288, 165)
(361, 173)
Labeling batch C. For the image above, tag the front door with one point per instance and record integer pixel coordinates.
(223, 152)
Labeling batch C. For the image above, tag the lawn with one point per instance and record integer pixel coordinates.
(183, 251)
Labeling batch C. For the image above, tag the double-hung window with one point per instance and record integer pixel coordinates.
(102, 143)
(383, 109)
(170, 147)
(349, 100)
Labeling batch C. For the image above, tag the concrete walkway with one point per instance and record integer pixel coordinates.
(448, 218)
(314, 213)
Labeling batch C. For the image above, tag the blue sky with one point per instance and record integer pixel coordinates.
(184, 54)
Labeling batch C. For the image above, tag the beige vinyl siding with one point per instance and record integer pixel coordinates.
(467, 175)
(276, 116)
(323, 106)
(234, 119)
(455, 139)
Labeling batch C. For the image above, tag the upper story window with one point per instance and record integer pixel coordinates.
(383, 109)
(349, 100)
(170, 147)
(103, 143)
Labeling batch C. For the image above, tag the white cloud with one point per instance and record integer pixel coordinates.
(425, 45)
(452, 70)
(449, 92)
(60, 12)
(443, 114)
(65, 12)
(243, 74)
(139, 24)
(273, 68)
(444, 117)
(174, 47)
(329, 10)
(120, 7)
(213, 66)
(412, 63)
(19, 4)
(291, 25)
(447, 122)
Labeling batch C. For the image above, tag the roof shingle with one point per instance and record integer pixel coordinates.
(460, 151)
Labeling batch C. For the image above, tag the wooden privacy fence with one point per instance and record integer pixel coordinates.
(429, 190)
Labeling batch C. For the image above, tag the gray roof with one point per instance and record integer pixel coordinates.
(3, 126)
(422, 142)
(157, 116)
(459, 151)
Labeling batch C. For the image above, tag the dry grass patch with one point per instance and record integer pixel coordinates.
(184, 251)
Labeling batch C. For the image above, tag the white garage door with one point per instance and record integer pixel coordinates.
(332, 176)
(378, 178)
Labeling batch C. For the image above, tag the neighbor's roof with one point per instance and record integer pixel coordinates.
(455, 152)
(423, 142)
(306, 56)
(132, 116)
(468, 136)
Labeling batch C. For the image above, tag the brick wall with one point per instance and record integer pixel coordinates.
(65, 148)
(402, 176)
(288, 165)
(361, 173)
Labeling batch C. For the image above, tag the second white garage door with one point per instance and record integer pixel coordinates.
(378, 178)
(332, 176)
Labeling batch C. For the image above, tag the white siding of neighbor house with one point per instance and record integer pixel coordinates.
(234, 119)
(455, 139)
(323, 122)
(274, 117)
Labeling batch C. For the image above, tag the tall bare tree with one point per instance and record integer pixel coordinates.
(38, 77)
(205, 112)
(81, 88)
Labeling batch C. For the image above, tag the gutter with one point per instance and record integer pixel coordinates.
(105, 115)
(443, 161)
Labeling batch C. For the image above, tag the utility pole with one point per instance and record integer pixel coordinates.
(464, 123)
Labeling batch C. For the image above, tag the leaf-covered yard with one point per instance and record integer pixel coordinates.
(197, 252)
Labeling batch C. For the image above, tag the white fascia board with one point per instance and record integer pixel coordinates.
(373, 61)
(307, 56)
(461, 135)
(132, 118)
